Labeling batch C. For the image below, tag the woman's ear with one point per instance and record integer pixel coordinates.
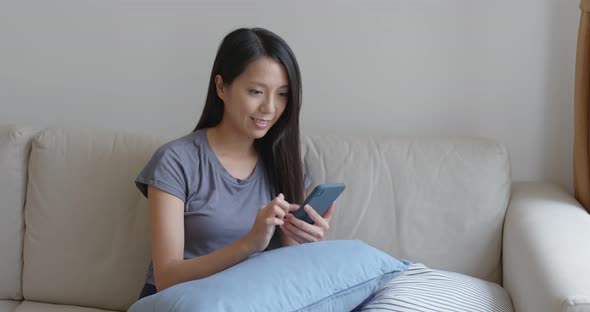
(219, 87)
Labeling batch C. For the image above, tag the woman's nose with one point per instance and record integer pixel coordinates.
(268, 106)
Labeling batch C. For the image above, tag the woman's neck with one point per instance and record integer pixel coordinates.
(228, 142)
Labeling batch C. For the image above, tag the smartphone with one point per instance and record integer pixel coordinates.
(320, 199)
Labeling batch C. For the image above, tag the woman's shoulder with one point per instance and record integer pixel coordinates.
(186, 145)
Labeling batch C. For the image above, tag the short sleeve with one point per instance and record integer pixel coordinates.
(164, 171)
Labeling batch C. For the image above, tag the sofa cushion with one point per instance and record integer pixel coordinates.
(14, 153)
(87, 230)
(423, 289)
(31, 306)
(439, 201)
(8, 305)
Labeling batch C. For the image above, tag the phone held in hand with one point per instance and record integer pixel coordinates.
(320, 199)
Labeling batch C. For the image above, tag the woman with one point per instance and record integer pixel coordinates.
(217, 194)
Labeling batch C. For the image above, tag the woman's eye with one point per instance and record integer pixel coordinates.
(255, 92)
(284, 94)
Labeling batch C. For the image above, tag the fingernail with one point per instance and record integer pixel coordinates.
(281, 196)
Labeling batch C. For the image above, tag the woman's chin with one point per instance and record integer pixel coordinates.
(258, 134)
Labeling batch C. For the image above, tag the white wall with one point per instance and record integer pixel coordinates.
(499, 69)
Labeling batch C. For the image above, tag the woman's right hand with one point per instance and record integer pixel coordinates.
(267, 219)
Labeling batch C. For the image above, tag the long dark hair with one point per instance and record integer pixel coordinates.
(279, 149)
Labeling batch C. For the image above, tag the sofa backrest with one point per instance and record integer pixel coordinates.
(432, 200)
(87, 231)
(14, 152)
(439, 201)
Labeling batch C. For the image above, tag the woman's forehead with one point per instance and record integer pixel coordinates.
(266, 72)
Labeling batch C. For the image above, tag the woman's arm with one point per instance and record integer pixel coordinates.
(167, 235)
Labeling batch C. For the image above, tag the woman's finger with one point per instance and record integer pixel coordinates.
(302, 236)
(282, 203)
(279, 212)
(315, 217)
(290, 234)
(294, 207)
(328, 215)
(304, 230)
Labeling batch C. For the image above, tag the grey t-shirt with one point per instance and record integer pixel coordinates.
(219, 209)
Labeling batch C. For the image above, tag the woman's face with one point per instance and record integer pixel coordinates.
(256, 98)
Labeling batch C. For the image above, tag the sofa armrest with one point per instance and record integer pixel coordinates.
(546, 250)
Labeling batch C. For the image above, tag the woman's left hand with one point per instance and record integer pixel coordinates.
(297, 231)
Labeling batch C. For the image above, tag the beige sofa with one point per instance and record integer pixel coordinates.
(74, 234)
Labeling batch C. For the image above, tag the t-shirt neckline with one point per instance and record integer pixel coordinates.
(219, 166)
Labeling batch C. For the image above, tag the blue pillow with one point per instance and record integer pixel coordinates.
(333, 275)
